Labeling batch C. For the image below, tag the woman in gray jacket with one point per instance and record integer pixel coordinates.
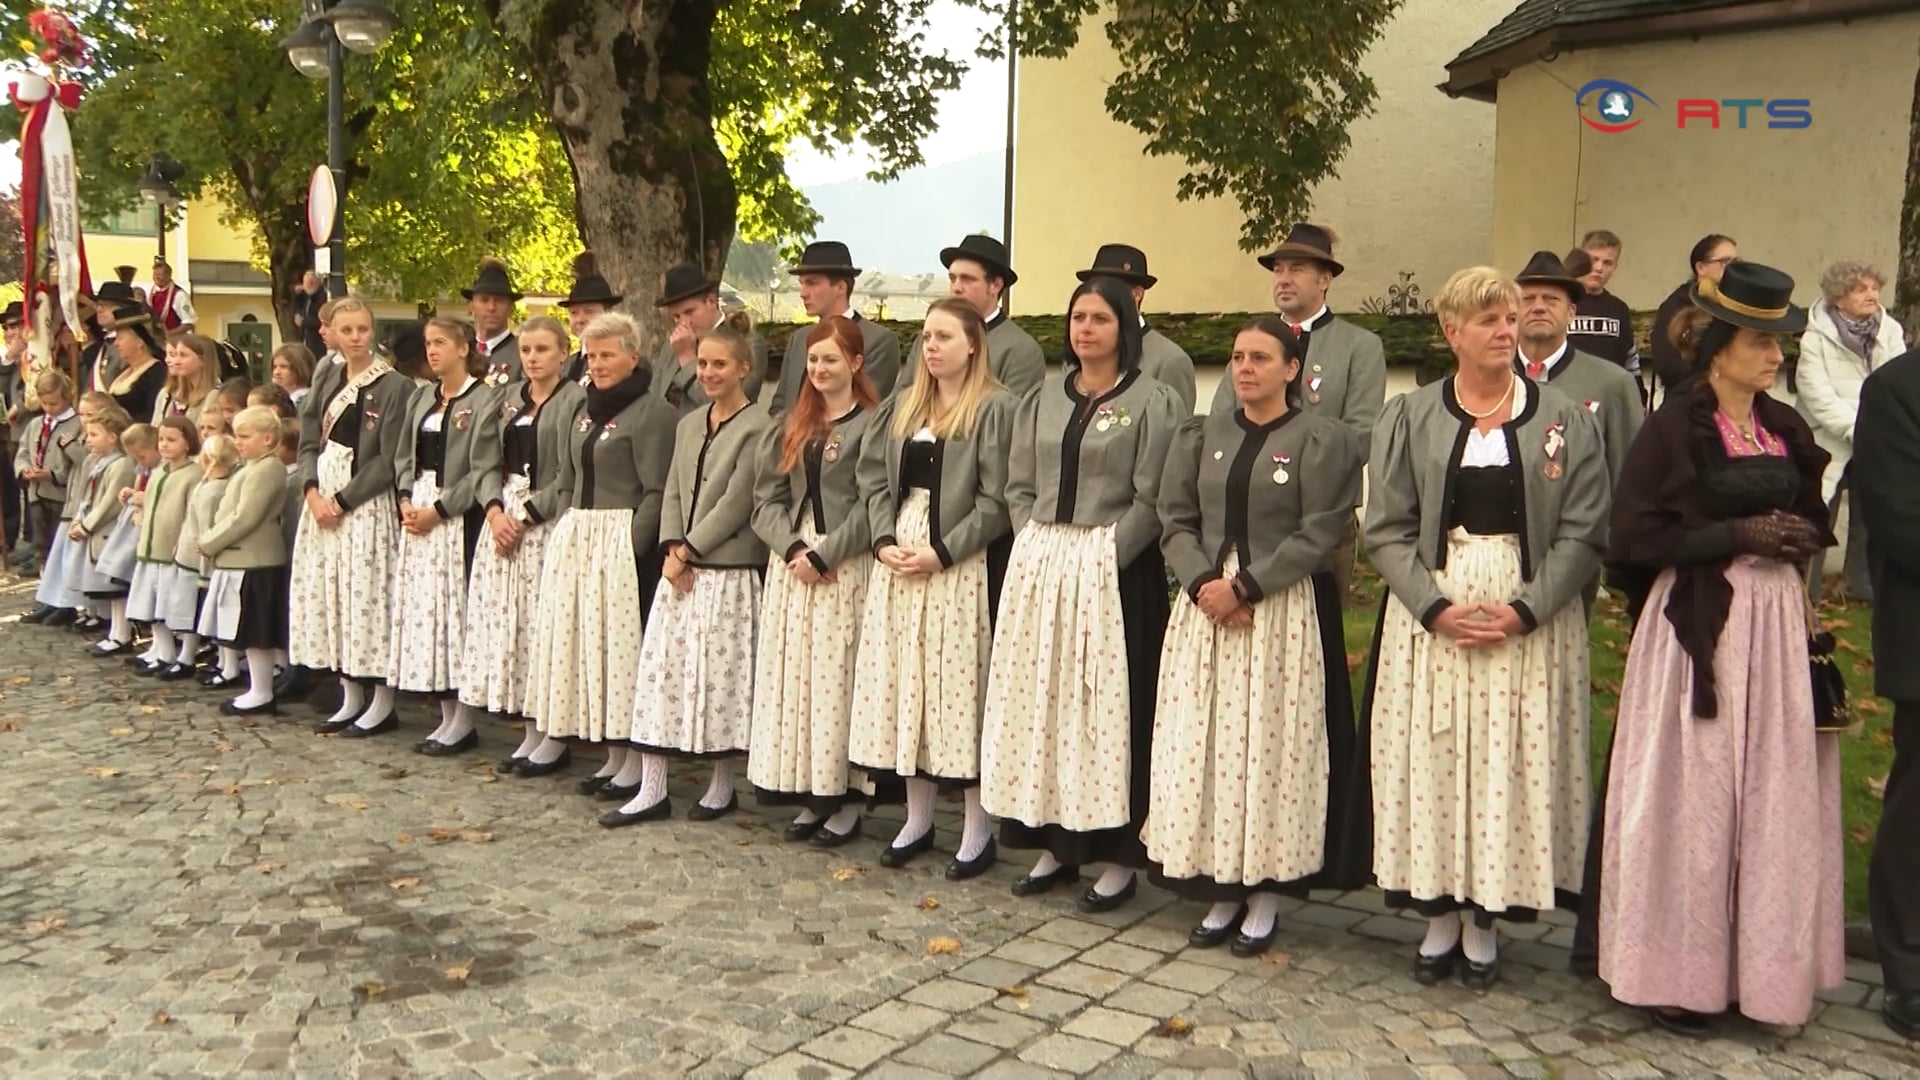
(934, 478)
(1065, 746)
(439, 523)
(693, 697)
(603, 555)
(523, 479)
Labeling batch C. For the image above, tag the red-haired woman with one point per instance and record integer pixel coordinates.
(807, 507)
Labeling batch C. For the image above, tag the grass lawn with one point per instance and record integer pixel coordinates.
(1866, 754)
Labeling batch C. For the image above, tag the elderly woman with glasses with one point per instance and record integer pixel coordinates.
(1849, 336)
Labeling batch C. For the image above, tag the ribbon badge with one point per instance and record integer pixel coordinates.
(585, 425)
(1110, 417)
(832, 451)
(1593, 407)
(1556, 441)
(607, 432)
(1280, 463)
(462, 419)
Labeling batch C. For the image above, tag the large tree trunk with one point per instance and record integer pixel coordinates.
(626, 86)
(284, 227)
(1907, 294)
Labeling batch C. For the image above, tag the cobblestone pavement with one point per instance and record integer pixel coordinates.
(186, 894)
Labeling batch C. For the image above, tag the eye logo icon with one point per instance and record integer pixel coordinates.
(1613, 102)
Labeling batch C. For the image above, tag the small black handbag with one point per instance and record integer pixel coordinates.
(1830, 711)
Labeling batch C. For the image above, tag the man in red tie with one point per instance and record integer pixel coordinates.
(1549, 290)
(171, 303)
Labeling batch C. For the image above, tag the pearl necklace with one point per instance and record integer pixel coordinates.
(1504, 398)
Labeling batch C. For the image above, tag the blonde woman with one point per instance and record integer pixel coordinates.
(193, 377)
(933, 475)
(1486, 514)
(344, 551)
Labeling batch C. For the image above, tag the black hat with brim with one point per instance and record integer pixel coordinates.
(492, 281)
(1752, 296)
(1122, 262)
(826, 257)
(683, 282)
(131, 313)
(14, 315)
(1306, 242)
(1545, 268)
(111, 294)
(984, 250)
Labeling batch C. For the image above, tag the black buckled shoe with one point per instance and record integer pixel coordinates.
(174, 672)
(896, 857)
(213, 679)
(616, 819)
(591, 785)
(799, 832)
(266, 708)
(1245, 946)
(959, 870)
(1093, 901)
(108, 649)
(1212, 937)
(1682, 1022)
(1480, 977)
(354, 731)
(827, 838)
(703, 812)
(458, 746)
(529, 768)
(1028, 885)
(617, 792)
(1433, 970)
(143, 669)
(332, 727)
(508, 765)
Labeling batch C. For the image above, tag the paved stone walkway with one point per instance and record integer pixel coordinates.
(187, 895)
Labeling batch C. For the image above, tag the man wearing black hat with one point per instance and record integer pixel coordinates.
(1886, 457)
(1549, 295)
(1159, 356)
(490, 301)
(590, 298)
(978, 272)
(827, 274)
(1345, 375)
(172, 305)
(691, 301)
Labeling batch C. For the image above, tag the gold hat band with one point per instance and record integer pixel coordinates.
(1709, 289)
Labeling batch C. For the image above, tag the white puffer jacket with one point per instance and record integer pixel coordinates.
(1829, 378)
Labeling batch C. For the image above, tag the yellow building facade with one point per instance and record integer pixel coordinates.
(1413, 194)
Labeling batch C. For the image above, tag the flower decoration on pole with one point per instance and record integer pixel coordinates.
(56, 263)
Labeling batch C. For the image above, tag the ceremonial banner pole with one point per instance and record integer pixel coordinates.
(55, 256)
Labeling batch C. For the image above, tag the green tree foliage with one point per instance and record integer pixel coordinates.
(12, 238)
(450, 157)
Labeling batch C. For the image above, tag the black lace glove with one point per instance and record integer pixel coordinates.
(1776, 535)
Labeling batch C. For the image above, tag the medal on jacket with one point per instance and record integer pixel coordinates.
(1313, 387)
(373, 417)
(832, 451)
(1593, 407)
(1556, 441)
(496, 374)
(585, 425)
(462, 419)
(607, 432)
(1280, 463)
(1110, 417)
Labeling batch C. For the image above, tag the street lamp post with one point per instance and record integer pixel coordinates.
(158, 191)
(328, 30)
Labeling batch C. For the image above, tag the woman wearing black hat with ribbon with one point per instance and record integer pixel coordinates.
(142, 373)
(1721, 869)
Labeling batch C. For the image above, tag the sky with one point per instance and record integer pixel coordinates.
(971, 119)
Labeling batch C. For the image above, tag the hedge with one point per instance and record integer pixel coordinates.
(1411, 341)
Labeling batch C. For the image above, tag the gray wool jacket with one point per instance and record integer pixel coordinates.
(1345, 376)
(676, 382)
(822, 490)
(1016, 358)
(458, 480)
(65, 456)
(245, 533)
(709, 499)
(1168, 363)
(1416, 458)
(1095, 461)
(1606, 390)
(550, 488)
(1279, 495)
(880, 360)
(967, 507)
(383, 425)
(624, 467)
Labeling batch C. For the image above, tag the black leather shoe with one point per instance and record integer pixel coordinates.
(1028, 885)
(615, 819)
(174, 672)
(959, 870)
(144, 670)
(37, 615)
(212, 679)
(1212, 937)
(1245, 946)
(591, 785)
(896, 857)
(703, 812)
(508, 765)
(1683, 1022)
(1901, 1011)
(59, 617)
(332, 727)
(108, 649)
(391, 723)
(531, 768)
(1093, 901)
(1432, 970)
(827, 838)
(458, 746)
(801, 831)
(1478, 976)
(617, 792)
(265, 708)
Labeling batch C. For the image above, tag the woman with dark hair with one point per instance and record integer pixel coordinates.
(440, 520)
(1066, 741)
(291, 369)
(142, 374)
(1721, 868)
(1486, 513)
(1708, 259)
(1256, 768)
(808, 511)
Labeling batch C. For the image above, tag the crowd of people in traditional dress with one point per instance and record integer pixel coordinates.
(1108, 623)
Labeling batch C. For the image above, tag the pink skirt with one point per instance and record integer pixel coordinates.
(1722, 858)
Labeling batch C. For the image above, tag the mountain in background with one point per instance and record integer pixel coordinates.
(900, 226)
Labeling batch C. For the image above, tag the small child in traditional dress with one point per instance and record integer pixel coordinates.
(247, 592)
(93, 521)
(117, 555)
(90, 617)
(52, 463)
(161, 595)
(233, 398)
(218, 456)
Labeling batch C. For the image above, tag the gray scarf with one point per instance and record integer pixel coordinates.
(1858, 334)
